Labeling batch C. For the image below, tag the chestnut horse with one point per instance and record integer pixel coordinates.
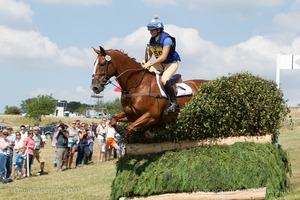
(141, 98)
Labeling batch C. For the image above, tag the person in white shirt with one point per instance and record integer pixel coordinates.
(101, 135)
(23, 132)
(18, 146)
(111, 141)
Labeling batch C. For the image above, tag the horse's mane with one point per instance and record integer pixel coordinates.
(122, 52)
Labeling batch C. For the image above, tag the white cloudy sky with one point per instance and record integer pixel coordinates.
(45, 45)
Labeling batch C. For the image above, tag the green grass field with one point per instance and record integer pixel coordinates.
(290, 141)
(94, 180)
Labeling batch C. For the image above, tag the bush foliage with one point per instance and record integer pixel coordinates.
(240, 104)
(209, 169)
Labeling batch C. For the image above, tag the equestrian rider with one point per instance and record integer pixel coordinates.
(162, 45)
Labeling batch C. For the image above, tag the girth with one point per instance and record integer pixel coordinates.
(155, 95)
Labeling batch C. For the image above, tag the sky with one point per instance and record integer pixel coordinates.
(45, 45)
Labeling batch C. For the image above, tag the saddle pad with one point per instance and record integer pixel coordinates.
(182, 88)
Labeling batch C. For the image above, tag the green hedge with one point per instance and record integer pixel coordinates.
(208, 168)
(240, 104)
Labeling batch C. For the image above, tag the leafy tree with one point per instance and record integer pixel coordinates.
(39, 106)
(73, 106)
(12, 110)
(111, 107)
(82, 108)
(115, 106)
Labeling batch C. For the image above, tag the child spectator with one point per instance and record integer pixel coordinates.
(19, 163)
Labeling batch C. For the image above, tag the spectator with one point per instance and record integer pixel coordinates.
(30, 145)
(4, 152)
(11, 139)
(94, 128)
(101, 136)
(19, 162)
(111, 141)
(72, 143)
(39, 144)
(78, 123)
(91, 136)
(62, 136)
(83, 149)
(23, 132)
(18, 146)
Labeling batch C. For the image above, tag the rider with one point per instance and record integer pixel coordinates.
(162, 45)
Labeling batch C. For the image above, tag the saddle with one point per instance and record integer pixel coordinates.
(176, 78)
(181, 88)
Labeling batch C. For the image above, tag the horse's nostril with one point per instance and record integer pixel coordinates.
(96, 90)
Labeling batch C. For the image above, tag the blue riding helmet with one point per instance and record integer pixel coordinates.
(155, 24)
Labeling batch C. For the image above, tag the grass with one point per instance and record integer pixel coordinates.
(16, 120)
(94, 180)
(290, 141)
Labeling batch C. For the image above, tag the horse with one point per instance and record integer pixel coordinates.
(141, 97)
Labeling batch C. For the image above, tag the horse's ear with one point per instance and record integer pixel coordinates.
(103, 53)
(96, 50)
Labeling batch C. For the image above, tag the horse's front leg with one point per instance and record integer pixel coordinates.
(144, 121)
(120, 117)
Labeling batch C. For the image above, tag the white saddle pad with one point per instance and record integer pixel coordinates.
(182, 88)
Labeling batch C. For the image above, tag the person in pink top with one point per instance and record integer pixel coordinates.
(29, 144)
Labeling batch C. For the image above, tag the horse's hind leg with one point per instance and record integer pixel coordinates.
(144, 121)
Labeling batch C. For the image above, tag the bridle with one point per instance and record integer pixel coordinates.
(106, 79)
(105, 64)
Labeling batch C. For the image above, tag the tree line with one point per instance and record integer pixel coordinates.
(45, 105)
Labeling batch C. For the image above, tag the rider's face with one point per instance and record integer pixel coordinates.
(154, 33)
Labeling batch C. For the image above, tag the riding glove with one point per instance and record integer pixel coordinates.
(147, 65)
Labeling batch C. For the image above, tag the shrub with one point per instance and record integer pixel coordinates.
(243, 165)
(241, 104)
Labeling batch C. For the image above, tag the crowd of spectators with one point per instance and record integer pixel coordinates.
(19, 150)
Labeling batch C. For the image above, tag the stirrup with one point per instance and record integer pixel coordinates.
(174, 107)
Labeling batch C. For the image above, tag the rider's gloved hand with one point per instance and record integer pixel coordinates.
(147, 65)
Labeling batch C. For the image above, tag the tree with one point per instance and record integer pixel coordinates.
(73, 106)
(12, 110)
(39, 106)
(115, 106)
(111, 107)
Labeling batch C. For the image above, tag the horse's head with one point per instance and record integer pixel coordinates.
(103, 70)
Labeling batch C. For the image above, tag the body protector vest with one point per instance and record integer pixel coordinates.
(157, 46)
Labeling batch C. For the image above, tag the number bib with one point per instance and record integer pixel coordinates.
(156, 50)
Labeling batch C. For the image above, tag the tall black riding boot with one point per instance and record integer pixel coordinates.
(174, 107)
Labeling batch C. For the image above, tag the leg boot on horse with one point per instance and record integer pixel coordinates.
(173, 107)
